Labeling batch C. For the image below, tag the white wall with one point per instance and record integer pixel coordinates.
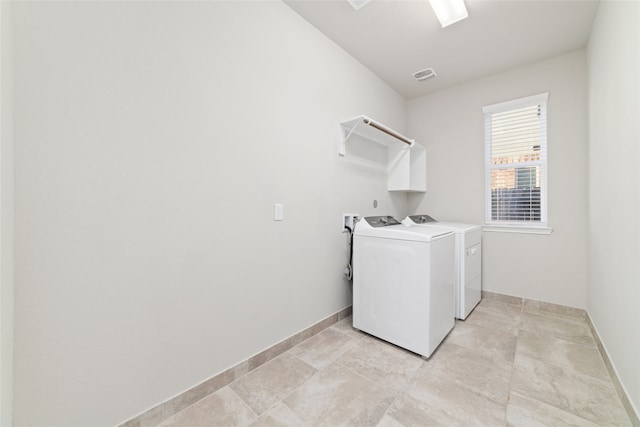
(152, 140)
(614, 187)
(6, 214)
(449, 123)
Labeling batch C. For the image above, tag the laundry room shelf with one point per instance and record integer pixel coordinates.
(373, 131)
(407, 161)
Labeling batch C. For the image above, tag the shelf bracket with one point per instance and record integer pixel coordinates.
(342, 147)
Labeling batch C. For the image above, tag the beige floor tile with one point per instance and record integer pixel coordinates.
(510, 363)
(508, 299)
(568, 390)
(525, 412)
(222, 408)
(337, 396)
(584, 359)
(268, 384)
(438, 399)
(279, 416)
(494, 319)
(578, 320)
(324, 348)
(574, 330)
(498, 306)
(470, 369)
(492, 343)
(408, 412)
(383, 363)
(345, 326)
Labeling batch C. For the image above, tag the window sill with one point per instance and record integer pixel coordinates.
(525, 229)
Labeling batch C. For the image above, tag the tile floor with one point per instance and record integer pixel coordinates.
(506, 365)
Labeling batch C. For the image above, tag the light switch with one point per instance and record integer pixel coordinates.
(278, 212)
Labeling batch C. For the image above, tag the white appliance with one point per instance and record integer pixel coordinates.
(468, 261)
(403, 283)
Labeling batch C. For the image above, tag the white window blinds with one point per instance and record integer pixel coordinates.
(516, 161)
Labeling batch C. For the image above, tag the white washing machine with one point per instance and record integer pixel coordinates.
(468, 261)
(403, 283)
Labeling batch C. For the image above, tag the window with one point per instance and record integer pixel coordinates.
(516, 162)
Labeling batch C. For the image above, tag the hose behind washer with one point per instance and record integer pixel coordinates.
(348, 271)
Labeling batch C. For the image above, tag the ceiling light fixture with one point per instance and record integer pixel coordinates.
(449, 11)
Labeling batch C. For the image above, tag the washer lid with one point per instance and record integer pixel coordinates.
(458, 227)
(426, 220)
(402, 232)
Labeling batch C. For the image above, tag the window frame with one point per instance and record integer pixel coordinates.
(540, 226)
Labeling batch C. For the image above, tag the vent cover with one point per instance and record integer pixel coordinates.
(357, 4)
(425, 74)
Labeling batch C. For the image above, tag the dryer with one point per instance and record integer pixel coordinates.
(468, 260)
(403, 283)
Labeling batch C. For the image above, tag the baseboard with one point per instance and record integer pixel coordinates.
(615, 379)
(164, 410)
(535, 304)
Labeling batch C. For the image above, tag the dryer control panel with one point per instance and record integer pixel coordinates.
(381, 221)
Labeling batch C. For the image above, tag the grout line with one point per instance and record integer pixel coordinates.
(317, 371)
(245, 404)
(402, 392)
(513, 365)
(565, 410)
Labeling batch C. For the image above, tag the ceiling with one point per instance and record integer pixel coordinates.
(395, 38)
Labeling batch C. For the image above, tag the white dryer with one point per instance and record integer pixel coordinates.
(468, 260)
(403, 283)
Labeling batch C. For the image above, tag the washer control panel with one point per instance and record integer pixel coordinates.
(381, 221)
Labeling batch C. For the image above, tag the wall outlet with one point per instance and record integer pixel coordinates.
(349, 220)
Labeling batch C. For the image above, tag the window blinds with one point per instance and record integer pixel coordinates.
(516, 161)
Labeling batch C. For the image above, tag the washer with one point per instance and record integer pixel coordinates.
(468, 260)
(403, 283)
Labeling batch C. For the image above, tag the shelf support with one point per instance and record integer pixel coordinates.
(342, 149)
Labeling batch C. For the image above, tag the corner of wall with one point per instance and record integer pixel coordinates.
(613, 64)
(6, 214)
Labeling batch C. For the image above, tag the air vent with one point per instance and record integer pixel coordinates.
(425, 74)
(357, 4)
